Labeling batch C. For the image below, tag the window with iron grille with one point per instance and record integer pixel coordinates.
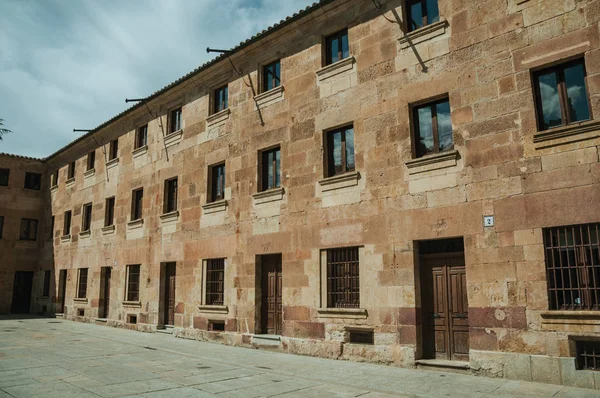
(67, 223)
(215, 276)
(141, 137)
(421, 13)
(270, 174)
(113, 149)
(71, 171)
(86, 219)
(170, 196)
(109, 212)
(28, 229)
(573, 266)
(4, 173)
(82, 283)
(175, 120)
(221, 99)
(133, 282)
(361, 337)
(91, 160)
(587, 354)
(432, 128)
(271, 76)
(339, 151)
(561, 95)
(216, 184)
(137, 200)
(46, 288)
(337, 47)
(1, 225)
(54, 179)
(343, 289)
(33, 181)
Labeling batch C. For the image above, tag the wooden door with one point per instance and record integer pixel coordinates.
(271, 288)
(106, 298)
(169, 298)
(21, 300)
(445, 307)
(62, 290)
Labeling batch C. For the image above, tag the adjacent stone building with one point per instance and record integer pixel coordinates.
(421, 193)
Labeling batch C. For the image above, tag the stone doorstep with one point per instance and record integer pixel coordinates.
(270, 340)
(442, 365)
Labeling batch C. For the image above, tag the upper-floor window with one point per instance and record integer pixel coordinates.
(432, 128)
(109, 212)
(421, 13)
(82, 277)
(270, 175)
(175, 120)
(33, 181)
(67, 223)
(113, 150)
(1, 225)
(28, 229)
(221, 99)
(71, 171)
(337, 47)
(86, 219)
(343, 287)
(4, 173)
(91, 160)
(170, 196)
(133, 283)
(216, 183)
(54, 178)
(51, 228)
(141, 137)
(272, 75)
(561, 95)
(340, 151)
(137, 204)
(215, 277)
(46, 287)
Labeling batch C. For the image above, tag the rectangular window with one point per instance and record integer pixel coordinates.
(33, 181)
(170, 197)
(4, 173)
(343, 289)
(270, 169)
(340, 151)
(421, 13)
(432, 128)
(86, 223)
(67, 223)
(573, 267)
(137, 204)
(133, 282)
(113, 150)
(91, 160)
(216, 184)
(1, 225)
(109, 212)
(71, 171)
(175, 120)
(54, 179)
(588, 354)
(215, 276)
(561, 95)
(337, 47)
(141, 137)
(272, 76)
(220, 99)
(46, 289)
(28, 229)
(82, 283)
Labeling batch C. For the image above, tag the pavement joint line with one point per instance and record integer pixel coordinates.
(299, 389)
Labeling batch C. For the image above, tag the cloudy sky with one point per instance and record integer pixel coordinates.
(68, 64)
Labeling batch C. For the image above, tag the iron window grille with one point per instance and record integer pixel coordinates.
(170, 196)
(67, 223)
(28, 229)
(71, 171)
(175, 120)
(421, 13)
(137, 204)
(33, 181)
(221, 99)
(272, 76)
(91, 160)
(109, 212)
(340, 151)
(573, 266)
(82, 283)
(86, 223)
(46, 288)
(217, 182)
(433, 128)
(4, 174)
(361, 337)
(587, 354)
(343, 289)
(215, 277)
(271, 169)
(113, 150)
(337, 47)
(133, 282)
(141, 137)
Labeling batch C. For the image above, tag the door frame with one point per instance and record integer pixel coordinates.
(163, 305)
(62, 290)
(261, 309)
(14, 308)
(104, 305)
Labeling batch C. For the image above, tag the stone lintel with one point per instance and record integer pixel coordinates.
(214, 309)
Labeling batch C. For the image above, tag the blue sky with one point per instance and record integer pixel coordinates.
(68, 64)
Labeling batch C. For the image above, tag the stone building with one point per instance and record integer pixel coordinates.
(415, 183)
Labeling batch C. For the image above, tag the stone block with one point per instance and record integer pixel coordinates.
(545, 369)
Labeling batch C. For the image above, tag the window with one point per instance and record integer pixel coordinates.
(46, 289)
(109, 212)
(272, 76)
(1, 225)
(361, 337)
(170, 198)
(215, 276)
(220, 99)
(340, 151)
(71, 171)
(337, 47)
(587, 354)
(67, 223)
(216, 326)
(175, 120)
(421, 13)
(133, 283)
(216, 185)
(91, 160)
(54, 179)
(433, 128)
(141, 137)
(343, 289)
(33, 181)
(86, 222)
(28, 229)
(573, 267)
(270, 169)
(82, 282)
(113, 150)
(4, 173)
(137, 199)
(561, 95)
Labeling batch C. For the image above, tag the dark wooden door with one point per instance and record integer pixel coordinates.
(445, 307)
(21, 300)
(169, 300)
(62, 291)
(106, 298)
(271, 297)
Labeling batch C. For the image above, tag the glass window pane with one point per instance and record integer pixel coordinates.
(550, 102)
(278, 168)
(415, 16)
(277, 74)
(350, 149)
(270, 170)
(425, 142)
(337, 152)
(345, 46)
(433, 12)
(226, 98)
(444, 126)
(578, 101)
(334, 50)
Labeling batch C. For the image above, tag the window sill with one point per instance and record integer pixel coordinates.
(140, 151)
(340, 181)
(269, 97)
(135, 224)
(173, 138)
(329, 71)
(570, 130)
(171, 216)
(214, 309)
(85, 234)
(435, 161)
(132, 304)
(108, 229)
(53, 188)
(343, 313)
(89, 173)
(111, 163)
(567, 321)
(423, 34)
(269, 195)
(218, 118)
(70, 182)
(215, 207)
(80, 300)
(65, 238)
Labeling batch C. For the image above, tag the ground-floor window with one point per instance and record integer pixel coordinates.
(588, 355)
(133, 282)
(215, 276)
(343, 289)
(82, 283)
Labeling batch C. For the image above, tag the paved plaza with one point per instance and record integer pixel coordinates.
(41, 357)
